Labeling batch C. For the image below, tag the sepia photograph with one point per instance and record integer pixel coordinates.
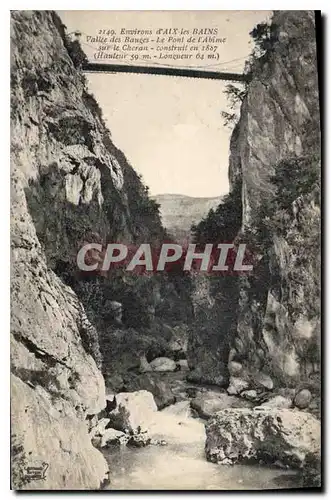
(165, 233)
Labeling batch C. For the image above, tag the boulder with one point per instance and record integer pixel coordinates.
(99, 428)
(177, 345)
(277, 402)
(263, 380)
(267, 434)
(235, 368)
(163, 365)
(182, 408)
(144, 365)
(139, 440)
(160, 389)
(203, 374)
(116, 311)
(250, 394)
(133, 411)
(236, 385)
(113, 437)
(115, 382)
(183, 364)
(209, 403)
(302, 399)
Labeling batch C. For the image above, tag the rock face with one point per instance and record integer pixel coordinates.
(70, 185)
(56, 382)
(279, 133)
(236, 435)
(271, 325)
(49, 429)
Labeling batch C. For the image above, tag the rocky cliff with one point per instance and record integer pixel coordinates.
(276, 153)
(275, 163)
(69, 184)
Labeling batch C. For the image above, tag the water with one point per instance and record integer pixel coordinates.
(181, 464)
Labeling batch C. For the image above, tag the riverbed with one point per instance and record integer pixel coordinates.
(181, 464)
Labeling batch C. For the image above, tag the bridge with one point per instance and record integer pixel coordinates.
(168, 71)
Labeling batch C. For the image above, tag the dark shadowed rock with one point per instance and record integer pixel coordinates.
(161, 389)
(302, 399)
(210, 402)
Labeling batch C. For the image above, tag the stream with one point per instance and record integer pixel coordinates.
(181, 463)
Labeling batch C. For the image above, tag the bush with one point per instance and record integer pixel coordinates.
(223, 223)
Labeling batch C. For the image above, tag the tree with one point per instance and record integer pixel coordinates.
(75, 51)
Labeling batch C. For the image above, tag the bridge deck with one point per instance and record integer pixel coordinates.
(159, 70)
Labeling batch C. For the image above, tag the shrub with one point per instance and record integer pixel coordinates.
(223, 223)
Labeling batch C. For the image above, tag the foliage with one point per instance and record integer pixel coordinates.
(229, 119)
(264, 36)
(223, 223)
(235, 96)
(93, 105)
(294, 177)
(75, 51)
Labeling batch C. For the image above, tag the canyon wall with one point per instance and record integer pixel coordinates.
(70, 184)
(275, 162)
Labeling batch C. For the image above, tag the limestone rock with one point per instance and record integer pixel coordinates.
(237, 385)
(251, 394)
(264, 380)
(144, 365)
(234, 435)
(57, 437)
(163, 365)
(235, 368)
(206, 374)
(277, 99)
(161, 390)
(179, 342)
(99, 429)
(133, 411)
(183, 364)
(210, 402)
(302, 399)
(113, 437)
(277, 402)
(181, 408)
(116, 311)
(139, 440)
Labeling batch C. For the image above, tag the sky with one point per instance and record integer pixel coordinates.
(170, 128)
